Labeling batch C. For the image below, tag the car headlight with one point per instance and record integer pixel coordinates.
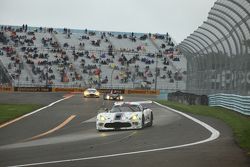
(101, 118)
(121, 97)
(134, 117)
(107, 96)
(86, 93)
(97, 93)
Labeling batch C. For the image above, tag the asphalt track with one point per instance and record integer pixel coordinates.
(64, 135)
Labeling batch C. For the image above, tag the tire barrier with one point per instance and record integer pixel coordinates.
(188, 98)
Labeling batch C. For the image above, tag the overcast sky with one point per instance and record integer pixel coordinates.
(177, 17)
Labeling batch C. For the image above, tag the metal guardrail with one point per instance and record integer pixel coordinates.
(237, 103)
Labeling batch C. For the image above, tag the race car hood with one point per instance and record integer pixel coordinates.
(91, 92)
(118, 116)
(113, 95)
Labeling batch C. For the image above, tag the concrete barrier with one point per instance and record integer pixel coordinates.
(141, 91)
(79, 90)
(237, 103)
(32, 89)
(68, 89)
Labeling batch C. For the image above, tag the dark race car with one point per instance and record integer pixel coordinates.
(113, 95)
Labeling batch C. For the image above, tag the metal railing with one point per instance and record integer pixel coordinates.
(218, 55)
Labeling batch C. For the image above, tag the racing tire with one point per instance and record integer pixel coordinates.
(100, 130)
(142, 122)
(151, 120)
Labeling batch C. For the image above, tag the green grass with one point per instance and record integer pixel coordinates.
(11, 111)
(239, 124)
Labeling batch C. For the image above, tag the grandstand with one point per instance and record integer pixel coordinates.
(36, 56)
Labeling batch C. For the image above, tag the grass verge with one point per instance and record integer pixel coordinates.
(11, 111)
(240, 124)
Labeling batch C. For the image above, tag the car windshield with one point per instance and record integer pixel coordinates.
(125, 108)
(92, 90)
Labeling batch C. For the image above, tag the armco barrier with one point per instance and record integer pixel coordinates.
(6, 89)
(237, 103)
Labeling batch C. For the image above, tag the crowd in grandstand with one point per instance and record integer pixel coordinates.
(47, 56)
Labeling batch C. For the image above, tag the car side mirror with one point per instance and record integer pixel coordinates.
(106, 109)
(144, 108)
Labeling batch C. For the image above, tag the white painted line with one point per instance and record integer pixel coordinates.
(215, 134)
(26, 115)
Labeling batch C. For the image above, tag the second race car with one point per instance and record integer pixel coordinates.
(91, 92)
(113, 95)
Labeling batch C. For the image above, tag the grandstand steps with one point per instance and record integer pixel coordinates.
(60, 38)
(27, 69)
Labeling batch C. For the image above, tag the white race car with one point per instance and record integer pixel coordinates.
(124, 115)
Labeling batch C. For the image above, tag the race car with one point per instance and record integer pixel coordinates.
(91, 92)
(124, 115)
(113, 95)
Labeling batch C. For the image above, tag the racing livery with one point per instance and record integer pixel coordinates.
(124, 115)
(91, 92)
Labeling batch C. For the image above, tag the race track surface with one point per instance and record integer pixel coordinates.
(64, 135)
